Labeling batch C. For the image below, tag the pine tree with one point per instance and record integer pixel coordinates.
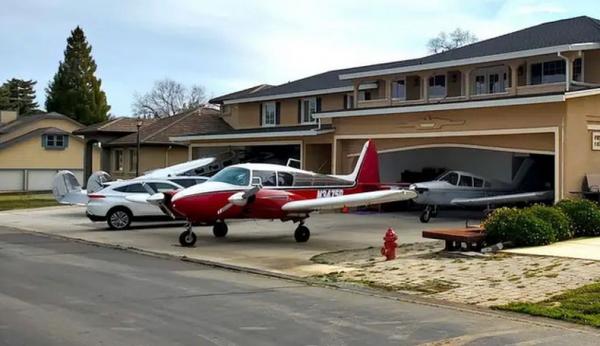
(75, 91)
(19, 95)
(4, 99)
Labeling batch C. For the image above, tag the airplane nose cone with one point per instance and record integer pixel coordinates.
(418, 188)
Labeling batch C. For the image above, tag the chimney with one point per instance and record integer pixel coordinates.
(7, 116)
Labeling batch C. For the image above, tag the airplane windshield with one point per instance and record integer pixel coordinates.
(233, 175)
(450, 177)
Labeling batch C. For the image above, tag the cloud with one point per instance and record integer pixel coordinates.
(539, 8)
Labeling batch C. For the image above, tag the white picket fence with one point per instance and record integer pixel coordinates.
(31, 179)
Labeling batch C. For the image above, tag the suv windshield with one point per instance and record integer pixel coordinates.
(233, 175)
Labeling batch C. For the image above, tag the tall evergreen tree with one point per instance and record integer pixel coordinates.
(19, 95)
(75, 91)
(4, 99)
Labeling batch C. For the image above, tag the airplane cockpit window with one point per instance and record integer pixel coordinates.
(233, 175)
(268, 178)
(450, 177)
(477, 182)
(284, 179)
(466, 180)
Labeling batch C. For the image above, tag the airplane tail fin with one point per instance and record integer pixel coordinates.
(521, 173)
(67, 190)
(96, 181)
(366, 171)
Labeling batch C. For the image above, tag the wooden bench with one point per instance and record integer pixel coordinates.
(473, 238)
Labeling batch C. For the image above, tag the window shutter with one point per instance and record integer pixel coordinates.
(277, 113)
(44, 142)
(318, 104)
(300, 111)
(66, 141)
(260, 113)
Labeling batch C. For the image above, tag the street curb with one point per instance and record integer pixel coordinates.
(341, 286)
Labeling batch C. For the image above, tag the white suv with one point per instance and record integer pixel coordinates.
(121, 203)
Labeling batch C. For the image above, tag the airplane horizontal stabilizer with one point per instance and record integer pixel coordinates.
(353, 200)
(505, 199)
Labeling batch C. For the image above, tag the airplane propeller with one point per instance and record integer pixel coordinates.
(240, 199)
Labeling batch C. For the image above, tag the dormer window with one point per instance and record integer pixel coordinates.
(55, 141)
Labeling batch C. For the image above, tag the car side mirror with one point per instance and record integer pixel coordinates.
(256, 181)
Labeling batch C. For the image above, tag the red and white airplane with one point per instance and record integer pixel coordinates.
(266, 191)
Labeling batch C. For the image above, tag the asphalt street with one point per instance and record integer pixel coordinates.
(57, 292)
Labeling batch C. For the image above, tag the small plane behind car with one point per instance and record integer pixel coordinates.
(67, 190)
(457, 188)
(268, 191)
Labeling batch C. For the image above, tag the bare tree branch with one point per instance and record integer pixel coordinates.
(444, 42)
(168, 98)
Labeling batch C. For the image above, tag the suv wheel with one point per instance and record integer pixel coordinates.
(119, 219)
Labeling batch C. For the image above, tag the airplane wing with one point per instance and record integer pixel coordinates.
(505, 199)
(353, 200)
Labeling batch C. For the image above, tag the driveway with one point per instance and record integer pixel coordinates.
(262, 245)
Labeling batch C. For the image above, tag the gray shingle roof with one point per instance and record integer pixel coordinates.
(561, 32)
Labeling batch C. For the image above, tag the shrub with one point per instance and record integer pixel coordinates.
(556, 218)
(521, 227)
(584, 216)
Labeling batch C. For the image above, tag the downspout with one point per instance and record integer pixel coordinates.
(568, 69)
(167, 155)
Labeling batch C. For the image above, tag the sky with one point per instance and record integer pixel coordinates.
(229, 45)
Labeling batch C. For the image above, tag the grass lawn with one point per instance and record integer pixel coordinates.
(22, 201)
(581, 305)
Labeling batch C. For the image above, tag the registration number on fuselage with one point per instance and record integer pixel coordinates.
(329, 193)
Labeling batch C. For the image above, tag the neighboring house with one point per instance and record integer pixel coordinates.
(34, 147)
(118, 139)
(482, 107)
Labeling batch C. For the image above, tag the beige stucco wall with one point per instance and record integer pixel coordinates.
(30, 154)
(150, 158)
(579, 158)
(246, 115)
(591, 66)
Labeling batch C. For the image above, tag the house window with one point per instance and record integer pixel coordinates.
(308, 107)
(364, 95)
(118, 160)
(269, 114)
(55, 141)
(578, 69)
(596, 140)
(437, 86)
(349, 101)
(399, 90)
(490, 80)
(132, 160)
(548, 72)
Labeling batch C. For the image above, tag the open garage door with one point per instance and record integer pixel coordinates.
(417, 165)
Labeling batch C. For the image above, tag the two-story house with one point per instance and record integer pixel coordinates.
(485, 107)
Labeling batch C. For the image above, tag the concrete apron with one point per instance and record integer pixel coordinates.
(266, 246)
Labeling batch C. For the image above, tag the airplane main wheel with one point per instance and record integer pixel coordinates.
(220, 229)
(187, 239)
(302, 234)
(425, 216)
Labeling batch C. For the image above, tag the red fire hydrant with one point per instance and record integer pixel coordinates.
(389, 245)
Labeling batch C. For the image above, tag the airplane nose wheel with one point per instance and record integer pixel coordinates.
(187, 238)
(220, 229)
(302, 234)
(426, 215)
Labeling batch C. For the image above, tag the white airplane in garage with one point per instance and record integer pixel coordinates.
(456, 188)
(67, 190)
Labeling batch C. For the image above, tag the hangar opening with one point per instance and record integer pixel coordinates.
(425, 164)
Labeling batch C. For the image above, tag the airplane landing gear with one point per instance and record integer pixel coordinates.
(187, 238)
(428, 213)
(302, 233)
(220, 229)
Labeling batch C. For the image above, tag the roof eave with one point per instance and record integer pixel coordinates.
(274, 134)
(475, 60)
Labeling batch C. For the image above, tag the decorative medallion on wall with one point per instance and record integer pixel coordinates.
(431, 123)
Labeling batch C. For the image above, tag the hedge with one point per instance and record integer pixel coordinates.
(583, 214)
